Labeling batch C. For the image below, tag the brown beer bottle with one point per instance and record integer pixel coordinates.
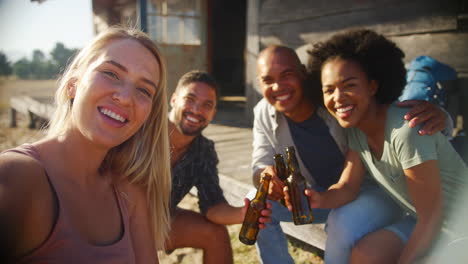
(302, 214)
(249, 229)
(281, 171)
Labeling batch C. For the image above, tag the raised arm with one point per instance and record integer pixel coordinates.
(262, 159)
(262, 153)
(425, 189)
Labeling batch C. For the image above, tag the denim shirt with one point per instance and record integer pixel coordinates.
(198, 167)
(271, 135)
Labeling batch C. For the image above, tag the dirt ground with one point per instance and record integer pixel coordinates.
(11, 137)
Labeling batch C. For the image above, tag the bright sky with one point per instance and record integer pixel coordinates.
(26, 26)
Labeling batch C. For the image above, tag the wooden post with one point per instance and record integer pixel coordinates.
(12, 117)
(32, 120)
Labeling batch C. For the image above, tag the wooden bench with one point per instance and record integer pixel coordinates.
(38, 109)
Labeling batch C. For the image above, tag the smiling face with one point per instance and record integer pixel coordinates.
(113, 98)
(193, 108)
(281, 77)
(347, 92)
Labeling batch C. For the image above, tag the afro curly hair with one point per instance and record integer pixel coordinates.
(379, 58)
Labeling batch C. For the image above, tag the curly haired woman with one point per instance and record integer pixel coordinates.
(361, 73)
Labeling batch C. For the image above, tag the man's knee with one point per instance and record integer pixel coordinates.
(191, 229)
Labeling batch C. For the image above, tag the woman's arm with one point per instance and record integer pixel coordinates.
(342, 192)
(425, 188)
(140, 228)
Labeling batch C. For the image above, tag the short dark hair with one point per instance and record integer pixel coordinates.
(379, 58)
(197, 76)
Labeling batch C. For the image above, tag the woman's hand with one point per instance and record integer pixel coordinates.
(313, 196)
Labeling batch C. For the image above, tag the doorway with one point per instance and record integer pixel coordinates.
(228, 34)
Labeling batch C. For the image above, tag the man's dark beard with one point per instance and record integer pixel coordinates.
(188, 132)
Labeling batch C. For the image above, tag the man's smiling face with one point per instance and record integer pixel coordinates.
(281, 78)
(193, 108)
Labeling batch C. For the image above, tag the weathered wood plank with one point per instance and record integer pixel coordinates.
(279, 11)
(294, 34)
(38, 109)
(40, 106)
(448, 48)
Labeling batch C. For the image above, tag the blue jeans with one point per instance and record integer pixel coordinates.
(372, 210)
(271, 243)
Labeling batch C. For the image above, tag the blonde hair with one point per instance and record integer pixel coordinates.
(144, 158)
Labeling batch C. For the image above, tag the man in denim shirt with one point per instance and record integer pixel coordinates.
(194, 163)
(287, 117)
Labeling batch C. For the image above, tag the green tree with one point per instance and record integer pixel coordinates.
(5, 67)
(22, 68)
(38, 65)
(62, 55)
(51, 70)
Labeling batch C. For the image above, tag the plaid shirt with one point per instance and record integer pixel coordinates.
(197, 168)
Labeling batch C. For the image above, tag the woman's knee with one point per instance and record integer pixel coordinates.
(378, 247)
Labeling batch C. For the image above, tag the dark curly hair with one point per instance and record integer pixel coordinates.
(379, 58)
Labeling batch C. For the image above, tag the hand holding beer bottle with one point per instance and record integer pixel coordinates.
(250, 227)
(296, 183)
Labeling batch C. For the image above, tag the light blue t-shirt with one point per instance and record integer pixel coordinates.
(405, 148)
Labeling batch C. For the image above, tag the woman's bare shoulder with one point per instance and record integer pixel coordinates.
(26, 202)
(19, 171)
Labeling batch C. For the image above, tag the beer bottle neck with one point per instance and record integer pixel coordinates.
(280, 167)
(263, 188)
(293, 166)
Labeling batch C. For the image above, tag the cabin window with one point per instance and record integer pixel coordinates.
(174, 21)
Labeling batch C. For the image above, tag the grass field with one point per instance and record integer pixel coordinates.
(12, 87)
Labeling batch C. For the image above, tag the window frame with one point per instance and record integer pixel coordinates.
(162, 15)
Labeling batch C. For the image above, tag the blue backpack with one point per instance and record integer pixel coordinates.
(424, 79)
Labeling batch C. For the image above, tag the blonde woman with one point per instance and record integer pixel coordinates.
(96, 189)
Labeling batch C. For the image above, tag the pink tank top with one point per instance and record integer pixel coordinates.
(64, 244)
